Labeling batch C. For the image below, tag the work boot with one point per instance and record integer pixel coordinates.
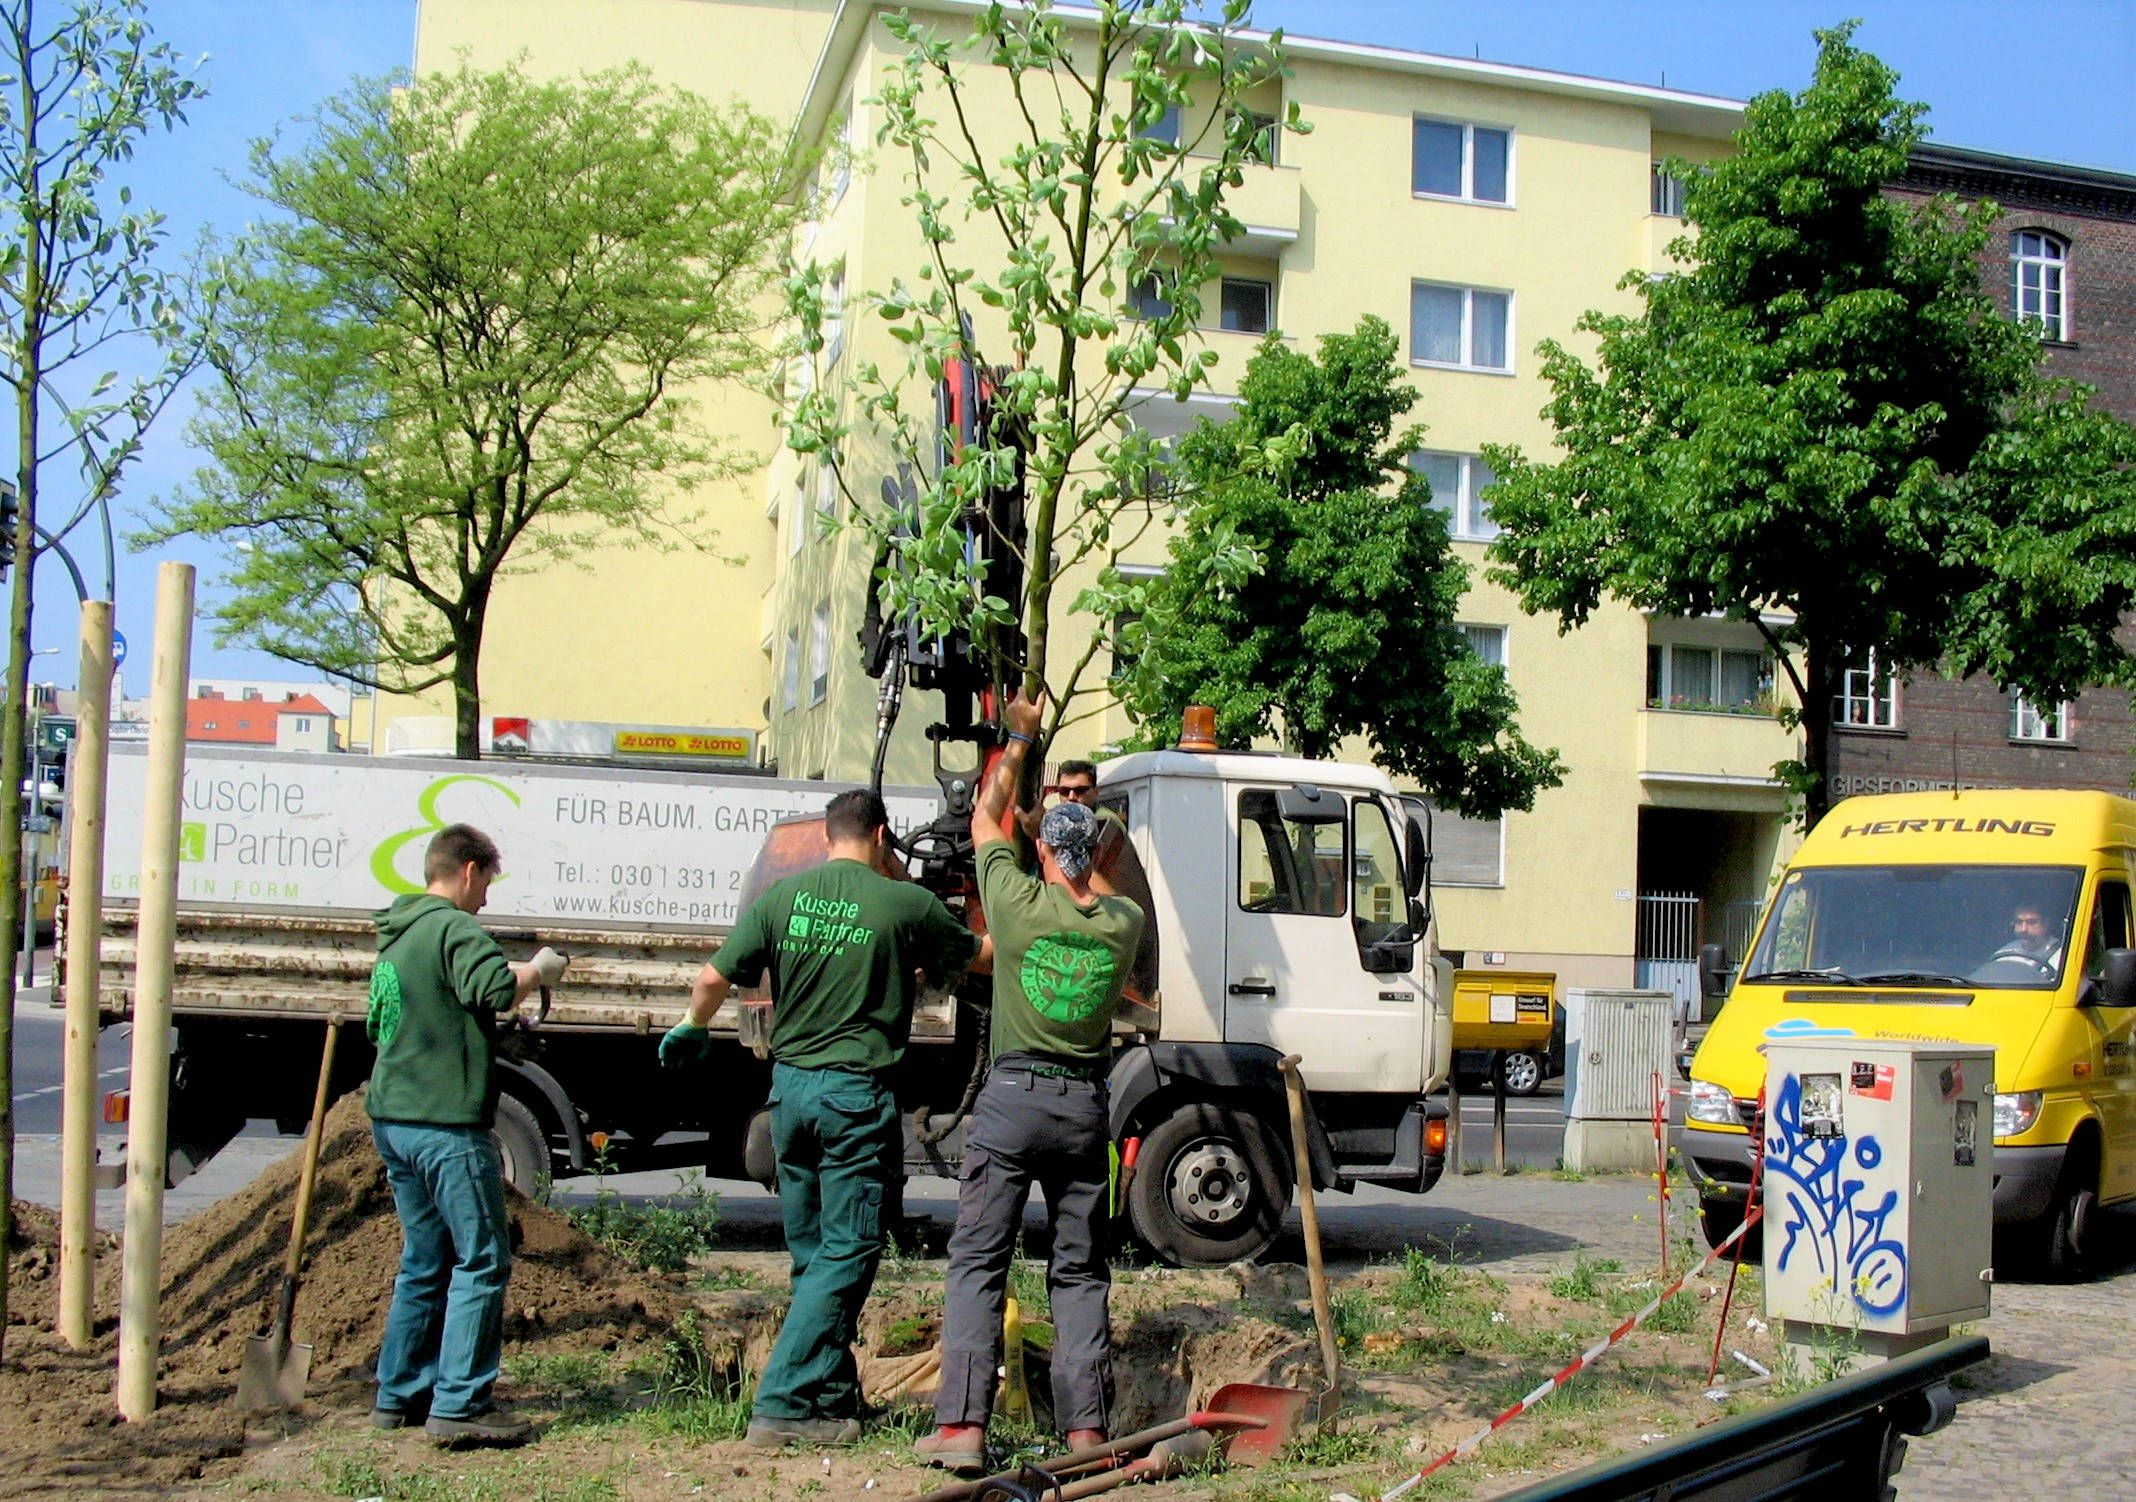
(1084, 1439)
(959, 1449)
(393, 1418)
(770, 1434)
(485, 1426)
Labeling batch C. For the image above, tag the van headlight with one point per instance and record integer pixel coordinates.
(2015, 1113)
(1716, 1107)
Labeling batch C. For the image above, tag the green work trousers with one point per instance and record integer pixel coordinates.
(839, 1148)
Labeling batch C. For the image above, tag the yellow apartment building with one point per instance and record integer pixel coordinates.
(1478, 206)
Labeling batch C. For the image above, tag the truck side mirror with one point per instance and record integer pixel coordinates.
(2117, 986)
(1712, 971)
(1416, 858)
(1389, 956)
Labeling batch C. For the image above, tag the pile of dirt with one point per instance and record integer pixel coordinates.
(221, 1270)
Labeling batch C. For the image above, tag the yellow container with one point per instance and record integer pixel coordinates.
(1504, 1009)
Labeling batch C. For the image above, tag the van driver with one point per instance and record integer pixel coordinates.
(2031, 938)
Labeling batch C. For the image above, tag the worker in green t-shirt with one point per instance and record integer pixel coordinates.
(1063, 951)
(842, 944)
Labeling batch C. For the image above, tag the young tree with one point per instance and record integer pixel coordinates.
(1823, 416)
(463, 347)
(1346, 627)
(85, 83)
(1068, 175)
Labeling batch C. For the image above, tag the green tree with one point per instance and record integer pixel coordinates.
(1068, 175)
(1344, 624)
(1824, 417)
(465, 347)
(84, 83)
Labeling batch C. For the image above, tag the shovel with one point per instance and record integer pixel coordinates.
(1309, 1223)
(274, 1370)
(1259, 1419)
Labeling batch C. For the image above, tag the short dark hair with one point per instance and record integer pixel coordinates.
(454, 846)
(1075, 767)
(855, 815)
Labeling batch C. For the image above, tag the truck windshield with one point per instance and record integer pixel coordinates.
(1920, 926)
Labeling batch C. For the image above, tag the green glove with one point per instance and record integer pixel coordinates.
(685, 1043)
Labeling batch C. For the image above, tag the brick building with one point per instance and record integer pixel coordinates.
(2063, 255)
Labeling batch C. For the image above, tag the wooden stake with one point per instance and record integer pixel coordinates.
(86, 765)
(140, 1283)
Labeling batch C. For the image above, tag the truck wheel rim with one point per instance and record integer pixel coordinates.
(1210, 1185)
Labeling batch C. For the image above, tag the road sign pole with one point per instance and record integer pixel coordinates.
(85, 924)
(154, 967)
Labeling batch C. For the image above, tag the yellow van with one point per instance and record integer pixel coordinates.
(1998, 916)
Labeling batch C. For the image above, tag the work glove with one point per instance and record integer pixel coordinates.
(685, 1043)
(549, 965)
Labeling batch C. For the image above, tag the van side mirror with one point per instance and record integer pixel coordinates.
(1712, 971)
(2117, 986)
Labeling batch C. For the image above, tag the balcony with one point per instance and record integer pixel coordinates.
(1691, 758)
(1268, 203)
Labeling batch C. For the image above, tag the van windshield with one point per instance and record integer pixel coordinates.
(2000, 926)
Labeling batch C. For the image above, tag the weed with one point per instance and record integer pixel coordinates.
(1344, 1447)
(564, 1371)
(1354, 1313)
(1678, 1315)
(692, 1395)
(1565, 1173)
(898, 1426)
(1584, 1282)
(1027, 1282)
(730, 1277)
(1426, 1284)
(662, 1236)
(347, 1476)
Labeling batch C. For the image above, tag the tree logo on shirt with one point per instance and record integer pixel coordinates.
(1067, 977)
(382, 1018)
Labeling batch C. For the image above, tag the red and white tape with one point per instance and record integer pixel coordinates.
(1578, 1364)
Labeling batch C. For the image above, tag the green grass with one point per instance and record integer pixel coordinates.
(1426, 1283)
(1027, 1281)
(1344, 1447)
(1584, 1282)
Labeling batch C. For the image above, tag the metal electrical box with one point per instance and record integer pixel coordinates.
(1615, 1043)
(1879, 1180)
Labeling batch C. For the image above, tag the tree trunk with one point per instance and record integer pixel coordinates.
(1816, 733)
(14, 884)
(467, 694)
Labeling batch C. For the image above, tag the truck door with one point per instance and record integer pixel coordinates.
(2113, 1029)
(1315, 880)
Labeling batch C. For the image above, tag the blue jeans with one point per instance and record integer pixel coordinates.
(840, 1150)
(445, 1330)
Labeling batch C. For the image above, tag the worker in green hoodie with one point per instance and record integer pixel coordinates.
(438, 988)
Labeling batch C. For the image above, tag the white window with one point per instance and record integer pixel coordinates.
(1467, 852)
(1458, 482)
(791, 677)
(1668, 194)
(1464, 327)
(1487, 642)
(827, 484)
(840, 150)
(834, 317)
(1449, 159)
(819, 652)
(1164, 128)
(303, 726)
(1248, 306)
(1149, 297)
(2036, 722)
(2039, 269)
(1713, 680)
(1868, 695)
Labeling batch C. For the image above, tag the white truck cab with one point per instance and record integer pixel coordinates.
(1291, 913)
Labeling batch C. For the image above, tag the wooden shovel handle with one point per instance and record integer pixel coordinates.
(313, 1135)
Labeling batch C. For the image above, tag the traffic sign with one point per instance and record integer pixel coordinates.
(118, 649)
(55, 732)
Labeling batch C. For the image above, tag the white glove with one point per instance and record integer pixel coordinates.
(549, 965)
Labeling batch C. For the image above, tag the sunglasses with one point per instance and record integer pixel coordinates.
(1076, 792)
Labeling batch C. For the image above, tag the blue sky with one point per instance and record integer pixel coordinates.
(2039, 78)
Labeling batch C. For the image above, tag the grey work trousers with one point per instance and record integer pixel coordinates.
(1030, 1128)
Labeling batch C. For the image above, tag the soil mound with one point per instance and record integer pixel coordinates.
(221, 1269)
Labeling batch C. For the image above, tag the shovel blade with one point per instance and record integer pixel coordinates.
(1278, 1407)
(272, 1375)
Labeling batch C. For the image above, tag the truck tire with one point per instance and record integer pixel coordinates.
(1210, 1187)
(1720, 1218)
(2063, 1254)
(522, 1145)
